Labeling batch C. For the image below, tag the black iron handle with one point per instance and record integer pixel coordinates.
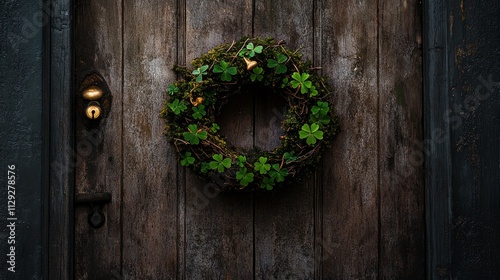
(96, 217)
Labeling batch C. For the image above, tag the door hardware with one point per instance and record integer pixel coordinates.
(96, 201)
(94, 99)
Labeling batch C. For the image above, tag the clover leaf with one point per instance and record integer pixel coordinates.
(194, 135)
(267, 183)
(199, 112)
(187, 159)
(257, 74)
(204, 167)
(320, 113)
(278, 173)
(285, 83)
(279, 64)
(199, 72)
(313, 91)
(240, 160)
(177, 106)
(289, 157)
(215, 127)
(244, 177)
(321, 109)
(172, 89)
(220, 163)
(300, 81)
(227, 72)
(261, 165)
(311, 133)
(250, 50)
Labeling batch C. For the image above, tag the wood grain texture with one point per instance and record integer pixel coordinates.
(284, 223)
(350, 180)
(351, 220)
(61, 139)
(284, 229)
(219, 227)
(149, 221)
(98, 149)
(400, 161)
(437, 145)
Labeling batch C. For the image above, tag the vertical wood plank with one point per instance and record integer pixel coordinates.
(402, 240)
(348, 31)
(219, 231)
(61, 188)
(181, 172)
(149, 165)
(99, 150)
(437, 145)
(284, 223)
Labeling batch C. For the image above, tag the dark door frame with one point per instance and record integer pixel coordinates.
(61, 156)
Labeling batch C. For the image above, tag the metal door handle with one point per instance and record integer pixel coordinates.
(96, 217)
(93, 94)
(94, 98)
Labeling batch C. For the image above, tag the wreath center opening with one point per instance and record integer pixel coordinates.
(252, 119)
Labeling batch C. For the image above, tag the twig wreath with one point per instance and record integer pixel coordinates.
(229, 69)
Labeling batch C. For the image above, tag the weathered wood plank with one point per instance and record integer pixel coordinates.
(219, 227)
(61, 138)
(436, 145)
(284, 223)
(401, 160)
(149, 163)
(350, 180)
(99, 150)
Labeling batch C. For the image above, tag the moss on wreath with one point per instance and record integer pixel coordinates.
(197, 98)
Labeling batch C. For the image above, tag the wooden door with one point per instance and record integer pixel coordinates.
(359, 216)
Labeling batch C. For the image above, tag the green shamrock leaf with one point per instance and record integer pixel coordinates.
(289, 157)
(227, 72)
(187, 159)
(194, 135)
(200, 72)
(199, 112)
(321, 109)
(300, 81)
(311, 133)
(320, 113)
(267, 183)
(204, 167)
(244, 177)
(285, 83)
(219, 163)
(241, 161)
(177, 106)
(261, 165)
(250, 50)
(313, 91)
(215, 127)
(279, 64)
(278, 173)
(257, 74)
(172, 89)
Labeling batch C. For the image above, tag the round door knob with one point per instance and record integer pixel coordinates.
(93, 111)
(92, 93)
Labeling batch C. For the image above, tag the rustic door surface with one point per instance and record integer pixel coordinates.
(359, 216)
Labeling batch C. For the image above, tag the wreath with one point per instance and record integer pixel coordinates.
(194, 101)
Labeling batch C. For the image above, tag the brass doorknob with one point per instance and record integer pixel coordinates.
(92, 93)
(93, 110)
(94, 99)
